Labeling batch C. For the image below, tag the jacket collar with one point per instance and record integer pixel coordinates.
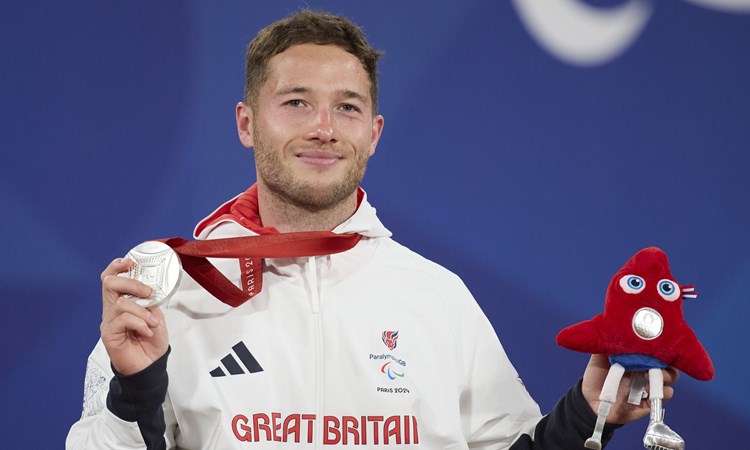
(242, 210)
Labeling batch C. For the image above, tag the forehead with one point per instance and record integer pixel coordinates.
(319, 67)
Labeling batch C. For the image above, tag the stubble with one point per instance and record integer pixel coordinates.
(281, 181)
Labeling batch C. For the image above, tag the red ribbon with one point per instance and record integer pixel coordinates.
(193, 256)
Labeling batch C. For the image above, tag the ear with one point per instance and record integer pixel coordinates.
(244, 117)
(377, 130)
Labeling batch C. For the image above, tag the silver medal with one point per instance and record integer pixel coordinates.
(648, 323)
(158, 266)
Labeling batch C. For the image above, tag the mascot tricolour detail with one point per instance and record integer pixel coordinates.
(642, 329)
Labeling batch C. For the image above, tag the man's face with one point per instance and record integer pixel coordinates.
(312, 128)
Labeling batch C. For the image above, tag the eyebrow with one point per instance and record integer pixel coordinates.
(293, 90)
(346, 93)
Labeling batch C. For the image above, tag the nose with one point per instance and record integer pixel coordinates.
(322, 127)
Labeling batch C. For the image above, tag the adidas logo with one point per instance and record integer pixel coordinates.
(234, 367)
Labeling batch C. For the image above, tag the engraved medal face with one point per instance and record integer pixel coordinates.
(158, 266)
(648, 323)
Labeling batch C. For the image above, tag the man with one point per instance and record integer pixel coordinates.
(374, 346)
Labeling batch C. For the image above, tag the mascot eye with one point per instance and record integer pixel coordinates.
(632, 284)
(668, 290)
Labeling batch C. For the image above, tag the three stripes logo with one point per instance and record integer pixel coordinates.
(246, 364)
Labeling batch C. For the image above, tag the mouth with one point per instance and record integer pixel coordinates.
(318, 158)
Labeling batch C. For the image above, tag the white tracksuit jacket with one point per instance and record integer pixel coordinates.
(375, 347)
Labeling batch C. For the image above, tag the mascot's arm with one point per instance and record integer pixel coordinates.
(692, 358)
(583, 337)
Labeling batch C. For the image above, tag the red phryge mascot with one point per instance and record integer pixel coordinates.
(642, 328)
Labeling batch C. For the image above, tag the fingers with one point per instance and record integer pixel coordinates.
(599, 361)
(671, 375)
(117, 265)
(133, 336)
(119, 313)
(123, 306)
(114, 286)
(114, 302)
(127, 322)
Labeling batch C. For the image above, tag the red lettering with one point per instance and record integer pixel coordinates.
(363, 429)
(349, 425)
(331, 434)
(247, 267)
(391, 427)
(291, 426)
(241, 431)
(375, 433)
(344, 430)
(276, 426)
(258, 426)
(310, 418)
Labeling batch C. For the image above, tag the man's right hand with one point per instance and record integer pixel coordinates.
(134, 336)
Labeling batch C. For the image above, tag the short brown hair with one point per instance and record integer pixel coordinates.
(307, 27)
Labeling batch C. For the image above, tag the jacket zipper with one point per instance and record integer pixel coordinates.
(312, 275)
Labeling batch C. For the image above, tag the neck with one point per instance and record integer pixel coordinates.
(287, 217)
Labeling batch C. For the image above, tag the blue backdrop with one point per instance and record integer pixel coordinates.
(531, 146)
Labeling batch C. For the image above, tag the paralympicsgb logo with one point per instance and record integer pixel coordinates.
(390, 339)
(390, 365)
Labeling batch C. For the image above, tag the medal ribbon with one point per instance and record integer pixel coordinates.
(252, 250)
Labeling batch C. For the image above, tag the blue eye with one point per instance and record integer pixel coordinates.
(632, 284)
(668, 290)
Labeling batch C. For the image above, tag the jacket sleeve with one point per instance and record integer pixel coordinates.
(497, 412)
(495, 407)
(122, 413)
(567, 426)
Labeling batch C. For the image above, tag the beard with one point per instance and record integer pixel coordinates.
(280, 179)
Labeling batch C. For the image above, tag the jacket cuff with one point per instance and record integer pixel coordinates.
(139, 398)
(573, 421)
(567, 426)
